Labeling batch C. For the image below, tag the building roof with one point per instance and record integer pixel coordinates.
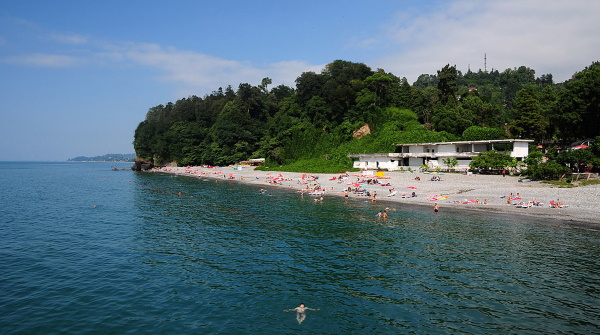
(511, 140)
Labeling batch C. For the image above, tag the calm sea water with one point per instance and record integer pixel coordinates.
(87, 250)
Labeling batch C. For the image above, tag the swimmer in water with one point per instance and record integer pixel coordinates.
(300, 312)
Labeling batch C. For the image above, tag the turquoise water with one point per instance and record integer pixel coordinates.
(87, 250)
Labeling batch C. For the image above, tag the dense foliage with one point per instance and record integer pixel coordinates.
(315, 123)
(557, 163)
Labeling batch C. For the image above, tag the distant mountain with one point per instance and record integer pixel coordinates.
(105, 158)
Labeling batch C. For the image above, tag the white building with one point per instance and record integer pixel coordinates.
(414, 155)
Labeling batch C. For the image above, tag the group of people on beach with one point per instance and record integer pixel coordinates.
(513, 199)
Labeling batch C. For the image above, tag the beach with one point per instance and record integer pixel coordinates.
(492, 194)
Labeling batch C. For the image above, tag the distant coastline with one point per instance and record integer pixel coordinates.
(126, 158)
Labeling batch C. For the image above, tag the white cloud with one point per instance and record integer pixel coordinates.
(68, 38)
(44, 60)
(190, 72)
(548, 36)
(197, 73)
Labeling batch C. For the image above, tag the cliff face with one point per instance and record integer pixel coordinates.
(362, 131)
(141, 165)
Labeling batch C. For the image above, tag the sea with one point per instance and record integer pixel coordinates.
(88, 250)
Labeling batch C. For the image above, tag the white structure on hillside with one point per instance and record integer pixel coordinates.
(414, 155)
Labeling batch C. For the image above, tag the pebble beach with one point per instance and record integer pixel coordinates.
(451, 191)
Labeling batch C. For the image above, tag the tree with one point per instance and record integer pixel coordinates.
(405, 97)
(447, 84)
(583, 100)
(531, 162)
(426, 80)
(492, 160)
(365, 110)
(577, 158)
(545, 80)
(568, 120)
(529, 121)
(343, 81)
(550, 170)
(450, 162)
(381, 84)
(309, 84)
(454, 120)
(264, 83)
(484, 113)
(250, 96)
(233, 135)
(477, 133)
(548, 98)
(281, 92)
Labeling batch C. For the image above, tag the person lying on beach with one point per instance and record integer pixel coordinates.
(300, 312)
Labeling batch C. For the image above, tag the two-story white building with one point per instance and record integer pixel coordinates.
(414, 155)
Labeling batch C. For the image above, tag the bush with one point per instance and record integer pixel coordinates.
(550, 170)
(492, 160)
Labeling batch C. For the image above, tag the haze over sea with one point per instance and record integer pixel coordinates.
(84, 249)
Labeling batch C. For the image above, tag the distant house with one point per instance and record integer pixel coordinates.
(253, 162)
(582, 144)
(415, 155)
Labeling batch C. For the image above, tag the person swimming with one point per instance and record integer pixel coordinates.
(300, 312)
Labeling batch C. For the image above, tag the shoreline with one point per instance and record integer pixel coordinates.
(456, 193)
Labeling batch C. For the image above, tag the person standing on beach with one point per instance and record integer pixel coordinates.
(300, 312)
(436, 208)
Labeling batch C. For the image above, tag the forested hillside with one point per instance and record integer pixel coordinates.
(316, 123)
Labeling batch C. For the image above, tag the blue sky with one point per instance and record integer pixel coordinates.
(76, 77)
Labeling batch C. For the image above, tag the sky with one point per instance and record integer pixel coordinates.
(77, 77)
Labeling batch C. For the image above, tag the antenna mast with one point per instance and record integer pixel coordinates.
(485, 62)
